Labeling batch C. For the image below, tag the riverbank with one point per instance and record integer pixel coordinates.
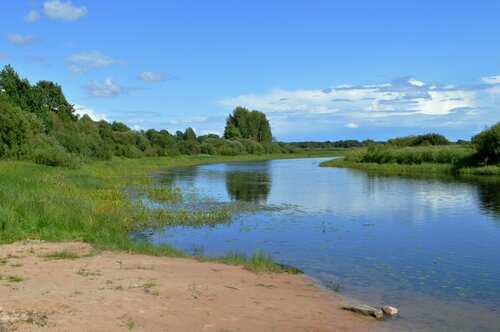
(93, 203)
(71, 286)
(415, 160)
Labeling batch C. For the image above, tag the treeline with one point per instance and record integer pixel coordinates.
(38, 123)
(431, 139)
(346, 144)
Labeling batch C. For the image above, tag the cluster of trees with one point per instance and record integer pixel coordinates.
(419, 140)
(487, 144)
(250, 125)
(38, 123)
(346, 144)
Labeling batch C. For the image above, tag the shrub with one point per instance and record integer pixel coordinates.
(231, 148)
(487, 144)
(251, 146)
(207, 148)
(47, 151)
(189, 147)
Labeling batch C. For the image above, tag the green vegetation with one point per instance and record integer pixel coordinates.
(15, 278)
(430, 153)
(487, 144)
(250, 125)
(37, 123)
(164, 194)
(63, 254)
(258, 263)
(95, 203)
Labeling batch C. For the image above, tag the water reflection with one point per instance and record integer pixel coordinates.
(178, 177)
(424, 243)
(249, 186)
(489, 197)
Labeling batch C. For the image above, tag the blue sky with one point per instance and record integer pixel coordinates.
(320, 70)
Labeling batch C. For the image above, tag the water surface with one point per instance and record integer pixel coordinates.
(429, 246)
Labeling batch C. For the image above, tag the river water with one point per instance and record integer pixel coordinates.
(429, 246)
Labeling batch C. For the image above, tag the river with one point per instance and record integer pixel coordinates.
(429, 246)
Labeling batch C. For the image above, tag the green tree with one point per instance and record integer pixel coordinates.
(487, 144)
(50, 98)
(163, 142)
(18, 129)
(245, 124)
(19, 90)
(189, 134)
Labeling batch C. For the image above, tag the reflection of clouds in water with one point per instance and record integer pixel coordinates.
(357, 193)
(338, 191)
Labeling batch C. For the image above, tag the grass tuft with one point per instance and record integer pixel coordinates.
(257, 263)
(64, 254)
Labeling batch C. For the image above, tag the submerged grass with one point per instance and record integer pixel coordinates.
(92, 204)
(164, 194)
(411, 160)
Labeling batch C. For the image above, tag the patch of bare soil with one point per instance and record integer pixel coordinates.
(116, 291)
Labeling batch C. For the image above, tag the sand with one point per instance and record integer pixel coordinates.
(117, 291)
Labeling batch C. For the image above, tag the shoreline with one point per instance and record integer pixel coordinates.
(82, 289)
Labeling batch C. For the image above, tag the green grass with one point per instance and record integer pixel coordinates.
(257, 263)
(412, 160)
(164, 194)
(63, 254)
(15, 278)
(94, 204)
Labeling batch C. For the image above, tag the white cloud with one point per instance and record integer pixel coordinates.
(140, 120)
(401, 103)
(401, 97)
(81, 63)
(136, 127)
(19, 40)
(351, 125)
(31, 17)
(83, 110)
(106, 88)
(491, 79)
(413, 81)
(151, 77)
(66, 11)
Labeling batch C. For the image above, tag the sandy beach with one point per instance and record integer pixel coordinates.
(116, 291)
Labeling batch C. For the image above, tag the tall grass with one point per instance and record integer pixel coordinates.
(92, 203)
(432, 159)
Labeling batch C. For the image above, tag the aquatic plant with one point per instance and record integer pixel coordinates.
(164, 194)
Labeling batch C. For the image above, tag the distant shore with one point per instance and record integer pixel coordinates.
(70, 286)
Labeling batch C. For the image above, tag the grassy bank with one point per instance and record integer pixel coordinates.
(94, 203)
(410, 160)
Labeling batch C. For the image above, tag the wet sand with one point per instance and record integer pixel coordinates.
(116, 291)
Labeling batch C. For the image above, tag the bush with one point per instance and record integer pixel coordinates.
(419, 140)
(207, 148)
(189, 147)
(17, 129)
(47, 151)
(230, 148)
(251, 146)
(487, 144)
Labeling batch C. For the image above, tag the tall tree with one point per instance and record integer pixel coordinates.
(189, 134)
(245, 124)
